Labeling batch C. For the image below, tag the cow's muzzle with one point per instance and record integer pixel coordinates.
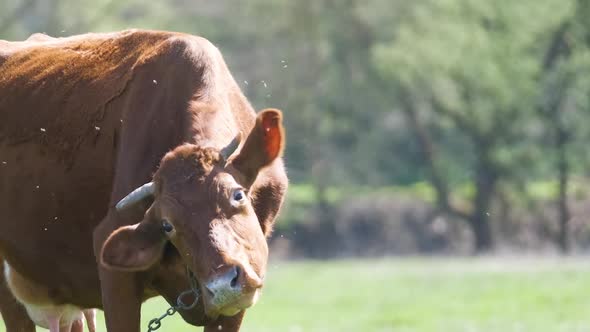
(231, 291)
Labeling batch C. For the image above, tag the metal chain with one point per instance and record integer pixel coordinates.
(156, 323)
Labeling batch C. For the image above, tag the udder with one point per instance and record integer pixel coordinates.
(43, 310)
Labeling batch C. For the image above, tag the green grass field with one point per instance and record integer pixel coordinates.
(490, 294)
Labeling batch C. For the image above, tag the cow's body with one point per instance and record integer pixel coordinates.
(42, 308)
(83, 121)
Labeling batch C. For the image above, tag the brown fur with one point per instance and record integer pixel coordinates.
(111, 106)
(87, 73)
(187, 161)
(37, 300)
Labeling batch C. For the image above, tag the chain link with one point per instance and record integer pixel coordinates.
(156, 323)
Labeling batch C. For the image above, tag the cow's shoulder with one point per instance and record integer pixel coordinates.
(179, 49)
(39, 37)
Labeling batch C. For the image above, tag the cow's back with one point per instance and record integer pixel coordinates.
(54, 91)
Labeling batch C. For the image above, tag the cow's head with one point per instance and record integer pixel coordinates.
(202, 211)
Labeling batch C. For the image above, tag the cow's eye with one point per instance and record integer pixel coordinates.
(167, 227)
(238, 197)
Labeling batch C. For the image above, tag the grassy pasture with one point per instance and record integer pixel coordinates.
(418, 294)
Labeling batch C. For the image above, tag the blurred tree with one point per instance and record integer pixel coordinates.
(476, 96)
(564, 102)
(472, 67)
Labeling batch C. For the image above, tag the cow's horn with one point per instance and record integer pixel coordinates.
(231, 147)
(136, 195)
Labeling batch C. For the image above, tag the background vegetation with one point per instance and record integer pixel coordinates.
(457, 125)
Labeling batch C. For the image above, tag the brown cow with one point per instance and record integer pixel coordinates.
(122, 165)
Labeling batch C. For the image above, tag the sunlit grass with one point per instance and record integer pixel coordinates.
(417, 295)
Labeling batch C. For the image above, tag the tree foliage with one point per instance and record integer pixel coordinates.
(463, 93)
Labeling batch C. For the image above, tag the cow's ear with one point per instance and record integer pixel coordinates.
(133, 248)
(264, 144)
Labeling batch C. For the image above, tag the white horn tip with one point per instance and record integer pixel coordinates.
(136, 196)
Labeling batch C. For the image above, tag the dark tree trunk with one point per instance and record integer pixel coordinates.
(429, 155)
(563, 169)
(482, 232)
(485, 183)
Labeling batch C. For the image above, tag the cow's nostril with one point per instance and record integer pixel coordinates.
(225, 283)
(234, 281)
